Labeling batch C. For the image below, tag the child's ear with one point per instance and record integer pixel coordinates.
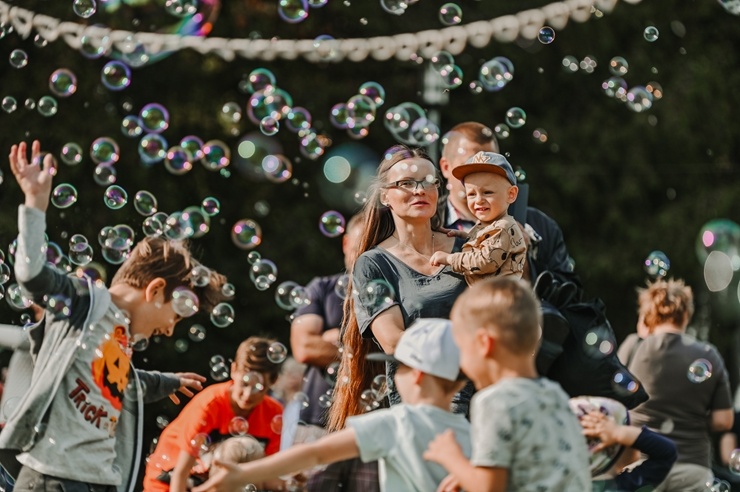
(154, 288)
(513, 193)
(486, 342)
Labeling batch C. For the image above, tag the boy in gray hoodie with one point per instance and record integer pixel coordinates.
(79, 427)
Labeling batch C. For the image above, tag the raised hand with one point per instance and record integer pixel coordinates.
(34, 177)
(189, 383)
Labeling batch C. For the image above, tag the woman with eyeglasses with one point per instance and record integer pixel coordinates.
(393, 280)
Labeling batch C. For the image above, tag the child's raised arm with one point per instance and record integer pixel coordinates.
(338, 446)
(34, 177)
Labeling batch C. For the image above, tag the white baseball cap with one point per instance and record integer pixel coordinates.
(427, 345)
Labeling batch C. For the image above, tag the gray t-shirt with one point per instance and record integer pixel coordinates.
(416, 294)
(527, 427)
(86, 409)
(679, 404)
(398, 437)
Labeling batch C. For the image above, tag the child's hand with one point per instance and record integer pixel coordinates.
(439, 258)
(189, 382)
(227, 479)
(596, 424)
(443, 447)
(453, 232)
(33, 177)
(449, 484)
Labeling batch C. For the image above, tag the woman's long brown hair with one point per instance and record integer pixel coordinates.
(355, 371)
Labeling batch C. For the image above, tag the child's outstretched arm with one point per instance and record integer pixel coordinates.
(34, 177)
(445, 450)
(338, 446)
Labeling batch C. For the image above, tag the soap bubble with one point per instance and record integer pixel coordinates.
(18, 58)
(293, 11)
(260, 79)
(615, 87)
(185, 302)
(639, 99)
(246, 234)
(374, 91)
(277, 353)
(9, 104)
(441, 59)
(452, 76)
(734, 462)
(263, 273)
(216, 155)
(181, 8)
(178, 226)
(197, 333)
(154, 118)
(546, 35)
(395, 7)
(376, 295)
(277, 168)
(340, 288)
(131, 126)
(145, 203)
(105, 174)
(71, 154)
(63, 82)
(152, 148)
(651, 34)
(624, 384)
(516, 117)
(298, 119)
(47, 106)
(699, 371)
(332, 224)
(84, 8)
(193, 145)
(450, 14)
(238, 426)
(115, 197)
(104, 150)
(115, 75)
(222, 315)
(494, 75)
(200, 275)
(657, 264)
(211, 206)
(619, 66)
(64, 195)
(178, 161)
(80, 252)
(269, 126)
(283, 295)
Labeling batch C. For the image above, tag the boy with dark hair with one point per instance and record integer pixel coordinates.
(235, 407)
(525, 437)
(78, 427)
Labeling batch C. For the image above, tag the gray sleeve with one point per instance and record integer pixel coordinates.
(627, 349)
(373, 290)
(157, 385)
(30, 255)
(14, 338)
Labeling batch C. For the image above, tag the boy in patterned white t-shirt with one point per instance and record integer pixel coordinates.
(524, 436)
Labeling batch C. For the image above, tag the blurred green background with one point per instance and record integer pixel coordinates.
(621, 184)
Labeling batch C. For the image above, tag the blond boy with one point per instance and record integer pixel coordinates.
(427, 379)
(524, 435)
(495, 244)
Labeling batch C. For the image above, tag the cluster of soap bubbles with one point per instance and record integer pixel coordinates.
(718, 249)
(587, 64)
(495, 73)
(443, 63)
(409, 124)
(116, 243)
(657, 264)
(219, 368)
(359, 111)
(4, 275)
(80, 252)
(262, 272)
(290, 295)
(638, 98)
(371, 398)
(47, 105)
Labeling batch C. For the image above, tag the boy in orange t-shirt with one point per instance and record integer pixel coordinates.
(237, 407)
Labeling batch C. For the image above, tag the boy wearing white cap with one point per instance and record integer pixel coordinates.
(495, 244)
(428, 376)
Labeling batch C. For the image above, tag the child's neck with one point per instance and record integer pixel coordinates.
(439, 401)
(511, 368)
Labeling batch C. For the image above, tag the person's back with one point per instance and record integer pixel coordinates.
(524, 435)
(679, 401)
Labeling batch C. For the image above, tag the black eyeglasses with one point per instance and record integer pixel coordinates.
(413, 184)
